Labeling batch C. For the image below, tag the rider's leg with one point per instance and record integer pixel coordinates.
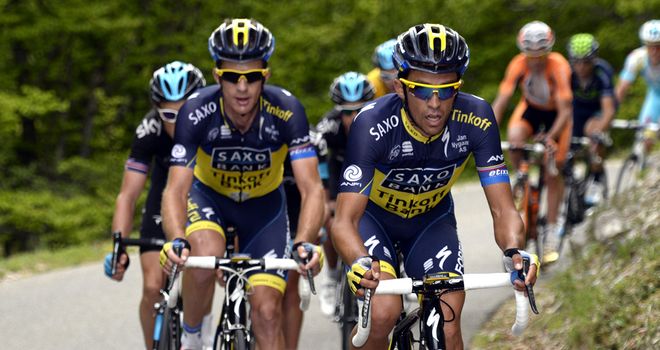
(292, 315)
(152, 282)
(199, 284)
(327, 293)
(453, 337)
(518, 131)
(266, 316)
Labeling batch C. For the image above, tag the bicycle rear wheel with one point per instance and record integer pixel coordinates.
(628, 175)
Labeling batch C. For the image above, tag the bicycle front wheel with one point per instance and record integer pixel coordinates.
(628, 175)
(170, 337)
(240, 340)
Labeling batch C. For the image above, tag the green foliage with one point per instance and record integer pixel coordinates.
(75, 73)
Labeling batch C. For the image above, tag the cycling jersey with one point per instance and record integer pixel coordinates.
(586, 99)
(239, 165)
(638, 62)
(334, 135)
(408, 178)
(379, 86)
(408, 174)
(540, 90)
(151, 144)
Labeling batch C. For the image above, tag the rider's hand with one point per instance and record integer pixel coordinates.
(168, 257)
(364, 273)
(513, 262)
(550, 144)
(122, 266)
(309, 256)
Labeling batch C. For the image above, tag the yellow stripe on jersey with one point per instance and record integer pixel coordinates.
(411, 192)
(241, 180)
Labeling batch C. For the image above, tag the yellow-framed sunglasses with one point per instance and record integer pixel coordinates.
(426, 91)
(234, 76)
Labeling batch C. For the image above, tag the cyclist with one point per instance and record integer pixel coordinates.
(404, 153)
(170, 86)
(383, 75)
(349, 92)
(644, 60)
(593, 102)
(226, 169)
(292, 314)
(544, 112)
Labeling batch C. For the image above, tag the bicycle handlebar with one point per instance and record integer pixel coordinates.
(401, 286)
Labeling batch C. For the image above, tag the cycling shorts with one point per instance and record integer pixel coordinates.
(261, 226)
(580, 118)
(292, 205)
(151, 227)
(428, 243)
(532, 119)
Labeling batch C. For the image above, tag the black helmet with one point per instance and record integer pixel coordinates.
(351, 87)
(241, 40)
(175, 81)
(431, 48)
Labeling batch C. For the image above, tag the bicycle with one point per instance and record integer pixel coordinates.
(527, 191)
(578, 177)
(169, 310)
(346, 310)
(635, 163)
(234, 330)
(430, 289)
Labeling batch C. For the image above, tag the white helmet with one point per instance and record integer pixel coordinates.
(535, 38)
(649, 33)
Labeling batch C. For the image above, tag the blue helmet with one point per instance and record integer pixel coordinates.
(175, 81)
(382, 57)
(351, 87)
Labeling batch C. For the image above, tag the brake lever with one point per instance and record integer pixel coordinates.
(116, 246)
(530, 289)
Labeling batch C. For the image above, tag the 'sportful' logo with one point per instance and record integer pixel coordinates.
(353, 173)
(178, 151)
(407, 148)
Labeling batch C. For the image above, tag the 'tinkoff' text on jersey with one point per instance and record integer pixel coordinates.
(408, 174)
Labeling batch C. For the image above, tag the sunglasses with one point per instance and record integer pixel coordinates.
(348, 110)
(167, 115)
(234, 76)
(426, 91)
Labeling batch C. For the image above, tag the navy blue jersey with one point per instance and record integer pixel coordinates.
(241, 165)
(408, 174)
(151, 151)
(588, 97)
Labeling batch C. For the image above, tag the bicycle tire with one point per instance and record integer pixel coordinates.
(240, 341)
(348, 318)
(170, 338)
(628, 173)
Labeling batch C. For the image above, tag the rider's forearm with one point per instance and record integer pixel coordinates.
(312, 204)
(564, 115)
(174, 212)
(122, 220)
(499, 105)
(509, 230)
(608, 110)
(347, 240)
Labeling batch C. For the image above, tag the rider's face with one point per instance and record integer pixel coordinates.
(654, 54)
(430, 116)
(583, 68)
(241, 97)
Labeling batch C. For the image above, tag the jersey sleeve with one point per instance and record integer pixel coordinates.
(488, 155)
(188, 133)
(511, 76)
(632, 66)
(561, 70)
(361, 157)
(144, 144)
(296, 128)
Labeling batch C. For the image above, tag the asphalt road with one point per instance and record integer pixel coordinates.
(79, 308)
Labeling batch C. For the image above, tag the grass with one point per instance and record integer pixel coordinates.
(21, 265)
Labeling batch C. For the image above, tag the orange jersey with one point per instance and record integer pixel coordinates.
(541, 90)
